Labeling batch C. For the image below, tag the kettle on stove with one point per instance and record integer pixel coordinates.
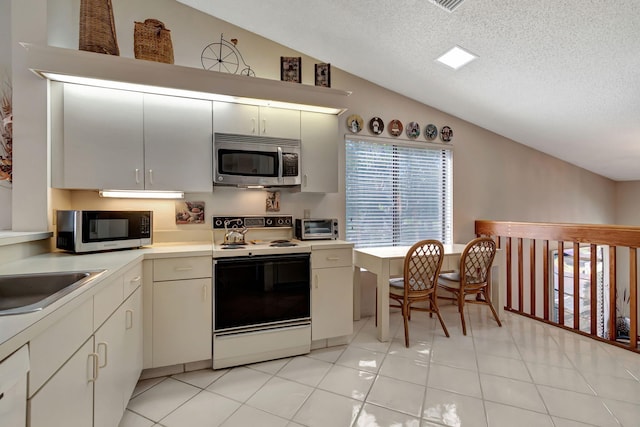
(234, 235)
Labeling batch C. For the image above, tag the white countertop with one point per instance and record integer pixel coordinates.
(16, 330)
(13, 237)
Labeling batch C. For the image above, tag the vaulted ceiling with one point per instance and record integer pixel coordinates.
(562, 77)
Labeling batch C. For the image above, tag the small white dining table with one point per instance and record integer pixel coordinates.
(388, 261)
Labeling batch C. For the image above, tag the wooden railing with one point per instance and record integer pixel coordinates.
(530, 249)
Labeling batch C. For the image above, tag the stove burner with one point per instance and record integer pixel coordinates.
(232, 246)
(282, 244)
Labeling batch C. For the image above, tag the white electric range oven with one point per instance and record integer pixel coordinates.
(262, 292)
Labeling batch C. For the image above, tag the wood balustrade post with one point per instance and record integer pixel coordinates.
(576, 285)
(593, 305)
(561, 283)
(612, 293)
(532, 274)
(546, 289)
(633, 297)
(509, 281)
(520, 277)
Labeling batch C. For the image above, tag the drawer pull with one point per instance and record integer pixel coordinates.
(184, 268)
(333, 258)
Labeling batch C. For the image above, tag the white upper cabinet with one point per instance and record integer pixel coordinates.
(102, 139)
(319, 134)
(177, 143)
(245, 119)
(115, 139)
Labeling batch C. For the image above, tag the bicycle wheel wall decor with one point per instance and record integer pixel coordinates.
(224, 57)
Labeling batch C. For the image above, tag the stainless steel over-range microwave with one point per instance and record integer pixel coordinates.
(90, 231)
(247, 161)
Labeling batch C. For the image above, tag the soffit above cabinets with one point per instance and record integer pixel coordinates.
(95, 69)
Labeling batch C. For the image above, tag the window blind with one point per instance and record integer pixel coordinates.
(397, 194)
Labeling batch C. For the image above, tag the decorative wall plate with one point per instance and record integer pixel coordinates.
(376, 125)
(395, 127)
(355, 123)
(413, 130)
(446, 134)
(430, 132)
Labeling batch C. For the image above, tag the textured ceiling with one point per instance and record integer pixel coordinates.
(562, 77)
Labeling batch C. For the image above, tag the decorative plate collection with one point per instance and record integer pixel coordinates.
(376, 125)
(395, 127)
(355, 124)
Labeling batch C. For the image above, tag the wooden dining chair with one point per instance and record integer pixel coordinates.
(473, 277)
(419, 281)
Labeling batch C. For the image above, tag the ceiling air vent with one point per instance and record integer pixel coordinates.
(448, 5)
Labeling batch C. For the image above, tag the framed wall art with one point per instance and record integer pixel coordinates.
(291, 69)
(323, 75)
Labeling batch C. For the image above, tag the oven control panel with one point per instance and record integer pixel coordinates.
(268, 221)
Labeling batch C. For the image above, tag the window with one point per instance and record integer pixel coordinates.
(397, 194)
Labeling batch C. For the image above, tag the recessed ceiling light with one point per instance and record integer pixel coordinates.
(456, 57)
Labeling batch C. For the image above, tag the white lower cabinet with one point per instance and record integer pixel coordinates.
(181, 321)
(331, 293)
(67, 399)
(13, 388)
(118, 344)
(93, 385)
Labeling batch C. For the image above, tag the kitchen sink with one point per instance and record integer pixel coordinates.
(26, 293)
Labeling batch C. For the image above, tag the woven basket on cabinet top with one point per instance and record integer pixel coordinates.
(152, 41)
(97, 27)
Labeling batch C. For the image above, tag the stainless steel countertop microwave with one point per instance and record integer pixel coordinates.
(246, 161)
(91, 231)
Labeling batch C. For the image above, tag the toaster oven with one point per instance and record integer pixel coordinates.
(316, 228)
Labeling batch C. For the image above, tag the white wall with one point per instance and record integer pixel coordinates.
(494, 178)
(5, 75)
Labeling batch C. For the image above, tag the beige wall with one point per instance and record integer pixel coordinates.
(628, 203)
(494, 178)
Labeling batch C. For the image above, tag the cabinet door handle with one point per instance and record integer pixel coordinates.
(106, 352)
(315, 280)
(94, 367)
(184, 268)
(137, 176)
(204, 293)
(128, 321)
(151, 176)
(305, 179)
(264, 125)
(253, 125)
(135, 279)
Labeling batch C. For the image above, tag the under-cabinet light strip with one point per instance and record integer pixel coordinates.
(128, 194)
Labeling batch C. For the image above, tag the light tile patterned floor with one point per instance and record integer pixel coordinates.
(524, 374)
